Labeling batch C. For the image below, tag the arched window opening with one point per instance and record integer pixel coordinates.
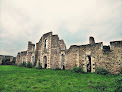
(62, 58)
(46, 44)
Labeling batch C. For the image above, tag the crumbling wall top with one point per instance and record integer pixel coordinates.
(30, 43)
(91, 45)
(62, 44)
(47, 34)
(116, 44)
(72, 48)
(55, 36)
(23, 52)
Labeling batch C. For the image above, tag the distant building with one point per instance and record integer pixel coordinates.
(51, 52)
(6, 59)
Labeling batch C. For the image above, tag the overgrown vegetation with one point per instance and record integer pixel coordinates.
(21, 79)
(77, 69)
(29, 65)
(39, 65)
(23, 64)
(57, 68)
(101, 71)
(6, 61)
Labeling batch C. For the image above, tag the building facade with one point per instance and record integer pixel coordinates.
(3, 58)
(51, 52)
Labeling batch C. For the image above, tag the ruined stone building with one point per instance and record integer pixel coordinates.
(51, 52)
(6, 57)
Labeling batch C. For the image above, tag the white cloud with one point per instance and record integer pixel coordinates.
(23, 20)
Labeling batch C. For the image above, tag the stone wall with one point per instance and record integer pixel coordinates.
(72, 57)
(78, 56)
(43, 50)
(51, 52)
(31, 52)
(49, 47)
(21, 56)
(55, 51)
(62, 45)
(89, 52)
(1, 58)
(18, 60)
(111, 59)
(6, 57)
(26, 56)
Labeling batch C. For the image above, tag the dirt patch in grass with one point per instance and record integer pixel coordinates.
(35, 87)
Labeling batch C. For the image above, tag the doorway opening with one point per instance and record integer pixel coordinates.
(45, 62)
(62, 61)
(63, 67)
(45, 66)
(89, 64)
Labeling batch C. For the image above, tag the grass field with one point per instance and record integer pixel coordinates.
(20, 79)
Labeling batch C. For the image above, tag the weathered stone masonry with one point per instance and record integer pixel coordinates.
(51, 52)
(3, 57)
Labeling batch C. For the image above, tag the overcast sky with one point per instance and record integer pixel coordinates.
(73, 20)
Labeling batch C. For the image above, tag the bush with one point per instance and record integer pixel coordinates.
(3, 62)
(20, 65)
(101, 71)
(23, 64)
(29, 64)
(77, 70)
(57, 68)
(39, 66)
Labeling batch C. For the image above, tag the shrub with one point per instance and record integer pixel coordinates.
(39, 66)
(29, 64)
(20, 64)
(77, 69)
(3, 62)
(57, 68)
(23, 64)
(101, 71)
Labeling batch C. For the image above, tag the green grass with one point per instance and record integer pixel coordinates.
(20, 79)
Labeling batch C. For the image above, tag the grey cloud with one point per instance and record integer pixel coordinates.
(74, 21)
